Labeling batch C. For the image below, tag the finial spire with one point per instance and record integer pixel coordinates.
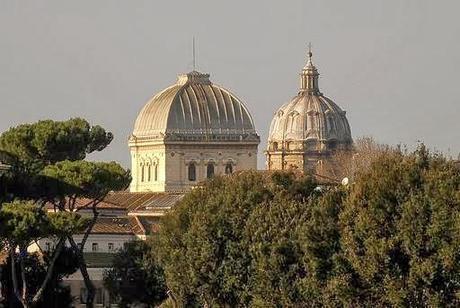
(309, 76)
(193, 51)
(310, 55)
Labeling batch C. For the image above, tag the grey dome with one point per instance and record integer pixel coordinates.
(195, 107)
(310, 117)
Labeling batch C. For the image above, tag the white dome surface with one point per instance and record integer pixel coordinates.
(194, 106)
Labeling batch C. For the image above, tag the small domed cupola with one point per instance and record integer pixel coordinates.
(309, 77)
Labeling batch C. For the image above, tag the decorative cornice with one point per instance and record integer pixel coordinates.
(190, 138)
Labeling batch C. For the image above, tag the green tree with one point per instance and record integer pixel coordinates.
(136, 276)
(293, 246)
(401, 230)
(55, 295)
(218, 243)
(48, 167)
(22, 224)
(389, 238)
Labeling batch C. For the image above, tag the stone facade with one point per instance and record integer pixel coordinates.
(169, 167)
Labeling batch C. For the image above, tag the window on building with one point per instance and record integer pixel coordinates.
(210, 170)
(149, 172)
(192, 172)
(311, 145)
(47, 246)
(332, 145)
(111, 246)
(288, 145)
(155, 172)
(229, 168)
(94, 247)
(275, 146)
(142, 173)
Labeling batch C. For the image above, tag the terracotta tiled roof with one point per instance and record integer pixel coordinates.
(144, 202)
(118, 225)
(102, 204)
(150, 224)
(82, 202)
(136, 226)
(138, 201)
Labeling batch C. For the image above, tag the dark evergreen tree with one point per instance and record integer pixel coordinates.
(136, 276)
(389, 238)
(48, 167)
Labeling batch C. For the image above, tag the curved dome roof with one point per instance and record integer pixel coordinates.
(310, 115)
(194, 106)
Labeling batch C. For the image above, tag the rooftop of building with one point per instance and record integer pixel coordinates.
(195, 109)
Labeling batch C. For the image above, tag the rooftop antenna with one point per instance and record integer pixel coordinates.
(194, 56)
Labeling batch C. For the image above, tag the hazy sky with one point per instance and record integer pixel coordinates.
(392, 65)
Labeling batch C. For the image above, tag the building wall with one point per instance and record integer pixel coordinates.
(286, 161)
(77, 288)
(102, 241)
(173, 162)
(75, 281)
(142, 157)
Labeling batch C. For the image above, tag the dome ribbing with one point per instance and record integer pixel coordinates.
(195, 107)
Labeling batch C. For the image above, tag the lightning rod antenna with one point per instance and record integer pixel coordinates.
(194, 55)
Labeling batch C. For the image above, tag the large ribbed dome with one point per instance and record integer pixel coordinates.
(192, 109)
(310, 117)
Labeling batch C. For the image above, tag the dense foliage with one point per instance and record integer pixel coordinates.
(47, 169)
(401, 232)
(136, 276)
(389, 238)
(55, 295)
(48, 142)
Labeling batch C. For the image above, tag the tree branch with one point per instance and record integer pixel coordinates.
(14, 277)
(49, 271)
(25, 294)
(38, 245)
(73, 202)
(90, 226)
(93, 202)
(84, 272)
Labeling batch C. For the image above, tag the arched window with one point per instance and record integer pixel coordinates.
(210, 170)
(149, 172)
(275, 146)
(310, 145)
(155, 172)
(229, 168)
(332, 145)
(142, 173)
(192, 172)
